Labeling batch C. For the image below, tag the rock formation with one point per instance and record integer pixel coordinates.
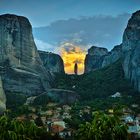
(59, 96)
(76, 69)
(94, 58)
(131, 50)
(20, 65)
(100, 57)
(112, 56)
(52, 62)
(128, 51)
(63, 96)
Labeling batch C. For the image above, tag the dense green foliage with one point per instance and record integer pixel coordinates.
(103, 127)
(98, 84)
(16, 130)
(15, 99)
(103, 104)
(107, 103)
(15, 104)
(42, 99)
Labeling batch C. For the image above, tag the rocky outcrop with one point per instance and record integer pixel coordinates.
(114, 55)
(59, 96)
(100, 57)
(94, 58)
(131, 50)
(52, 62)
(63, 96)
(20, 65)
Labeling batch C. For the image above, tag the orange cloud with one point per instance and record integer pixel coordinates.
(67, 64)
(72, 54)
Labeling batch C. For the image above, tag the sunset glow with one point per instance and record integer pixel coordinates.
(72, 54)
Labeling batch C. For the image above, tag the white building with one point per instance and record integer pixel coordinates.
(116, 95)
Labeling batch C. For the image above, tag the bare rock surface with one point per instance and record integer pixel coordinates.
(20, 65)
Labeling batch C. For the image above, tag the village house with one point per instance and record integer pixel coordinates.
(116, 95)
(66, 108)
(32, 116)
(133, 124)
(30, 108)
(66, 115)
(21, 118)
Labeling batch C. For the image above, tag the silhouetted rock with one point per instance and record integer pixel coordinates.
(76, 69)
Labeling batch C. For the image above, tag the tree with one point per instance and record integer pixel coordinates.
(38, 121)
(103, 127)
(18, 130)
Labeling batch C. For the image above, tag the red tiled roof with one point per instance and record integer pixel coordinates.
(57, 128)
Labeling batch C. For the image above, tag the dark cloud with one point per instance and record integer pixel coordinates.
(100, 30)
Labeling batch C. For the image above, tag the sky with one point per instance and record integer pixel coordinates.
(62, 24)
(57, 15)
(44, 12)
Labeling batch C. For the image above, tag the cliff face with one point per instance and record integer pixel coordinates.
(131, 50)
(99, 57)
(52, 62)
(94, 58)
(20, 65)
(128, 51)
(112, 56)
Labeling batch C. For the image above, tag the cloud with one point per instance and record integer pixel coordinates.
(41, 45)
(70, 47)
(71, 38)
(105, 31)
(72, 54)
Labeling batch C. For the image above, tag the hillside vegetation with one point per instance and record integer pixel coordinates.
(98, 84)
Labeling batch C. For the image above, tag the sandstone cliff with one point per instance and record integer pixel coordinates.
(20, 65)
(112, 56)
(52, 62)
(94, 58)
(128, 51)
(98, 57)
(131, 50)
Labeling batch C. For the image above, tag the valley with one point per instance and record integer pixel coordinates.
(38, 100)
